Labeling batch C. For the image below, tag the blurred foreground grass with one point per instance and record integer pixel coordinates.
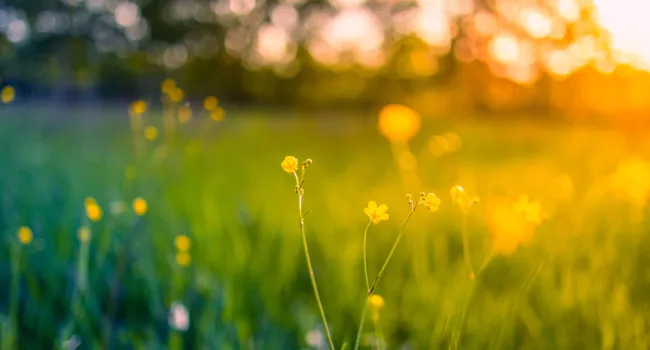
(582, 282)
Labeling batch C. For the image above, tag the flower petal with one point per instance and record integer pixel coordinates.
(382, 209)
(368, 212)
(372, 205)
(383, 217)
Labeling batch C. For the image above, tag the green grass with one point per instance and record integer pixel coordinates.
(583, 282)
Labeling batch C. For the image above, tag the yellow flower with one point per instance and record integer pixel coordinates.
(289, 164)
(83, 234)
(139, 206)
(182, 243)
(177, 95)
(167, 86)
(25, 235)
(184, 114)
(375, 213)
(138, 107)
(461, 198)
(210, 103)
(431, 202)
(8, 94)
(508, 228)
(399, 123)
(93, 210)
(532, 212)
(376, 302)
(150, 133)
(217, 114)
(184, 259)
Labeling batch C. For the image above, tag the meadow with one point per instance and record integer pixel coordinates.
(558, 241)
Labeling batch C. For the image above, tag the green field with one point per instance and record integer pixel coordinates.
(582, 282)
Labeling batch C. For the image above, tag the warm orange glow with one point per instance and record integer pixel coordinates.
(399, 123)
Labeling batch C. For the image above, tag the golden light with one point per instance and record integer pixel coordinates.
(399, 123)
(505, 48)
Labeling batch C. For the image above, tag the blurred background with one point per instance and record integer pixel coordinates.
(142, 205)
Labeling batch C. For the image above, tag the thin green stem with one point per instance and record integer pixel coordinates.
(310, 268)
(363, 321)
(381, 272)
(466, 251)
(390, 255)
(365, 260)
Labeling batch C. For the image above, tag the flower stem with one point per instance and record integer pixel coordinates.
(311, 269)
(365, 260)
(390, 255)
(381, 272)
(466, 251)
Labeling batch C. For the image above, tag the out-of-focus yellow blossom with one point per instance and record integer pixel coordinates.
(210, 103)
(140, 206)
(177, 95)
(184, 114)
(8, 94)
(289, 164)
(83, 234)
(399, 123)
(130, 172)
(138, 107)
(631, 181)
(217, 114)
(431, 202)
(460, 197)
(184, 259)
(25, 235)
(151, 133)
(376, 213)
(454, 142)
(376, 302)
(532, 212)
(168, 86)
(183, 243)
(438, 145)
(508, 228)
(93, 210)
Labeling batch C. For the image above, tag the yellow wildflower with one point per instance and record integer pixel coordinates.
(83, 234)
(289, 164)
(93, 210)
(150, 133)
(532, 212)
(376, 213)
(217, 114)
(167, 86)
(183, 258)
(431, 202)
(398, 123)
(25, 235)
(376, 302)
(138, 107)
(182, 243)
(460, 197)
(140, 206)
(210, 103)
(177, 95)
(184, 114)
(8, 94)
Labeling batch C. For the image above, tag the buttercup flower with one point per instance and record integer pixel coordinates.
(182, 243)
(25, 235)
(289, 164)
(184, 259)
(151, 133)
(431, 202)
(184, 114)
(532, 212)
(376, 302)
(399, 123)
(460, 197)
(138, 107)
(93, 210)
(140, 206)
(8, 94)
(210, 103)
(376, 214)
